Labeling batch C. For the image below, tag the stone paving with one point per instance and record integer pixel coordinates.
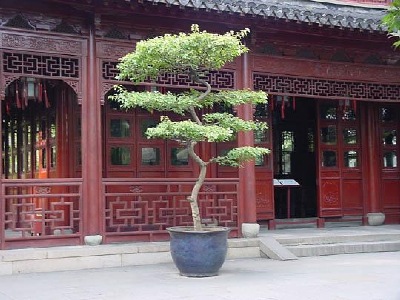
(366, 276)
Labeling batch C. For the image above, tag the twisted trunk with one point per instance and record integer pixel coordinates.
(194, 196)
(193, 199)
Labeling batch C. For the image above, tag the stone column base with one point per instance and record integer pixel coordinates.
(93, 240)
(250, 230)
(375, 219)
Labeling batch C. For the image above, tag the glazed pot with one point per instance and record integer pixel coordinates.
(198, 253)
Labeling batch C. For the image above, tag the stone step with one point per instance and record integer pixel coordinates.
(269, 247)
(325, 241)
(336, 239)
(344, 248)
(32, 260)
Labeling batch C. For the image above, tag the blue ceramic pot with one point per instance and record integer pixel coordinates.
(198, 253)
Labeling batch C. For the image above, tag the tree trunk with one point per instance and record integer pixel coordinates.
(193, 199)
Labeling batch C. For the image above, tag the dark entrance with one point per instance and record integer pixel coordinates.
(294, 127)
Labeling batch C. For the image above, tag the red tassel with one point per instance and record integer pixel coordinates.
(283, 108)
(25, 95)
(271, 104)
(354, 106)
(40, 92)
(294, 103)
(17, 99)
(46, 99)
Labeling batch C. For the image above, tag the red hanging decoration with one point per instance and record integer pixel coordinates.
(8, 107)
(17, 98)
(40, 92)
(25, 102)
(271, 104)
(354, 106)
(46, 98)
(294, 103)
(283, 108)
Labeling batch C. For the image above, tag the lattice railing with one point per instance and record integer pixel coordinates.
(148, 206)
(39, 208)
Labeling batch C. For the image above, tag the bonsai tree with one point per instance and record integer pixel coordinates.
(392, 21)
(194, 54)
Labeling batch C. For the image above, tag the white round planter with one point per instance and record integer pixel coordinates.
(250, 230)
(376, 219)
(93, 240)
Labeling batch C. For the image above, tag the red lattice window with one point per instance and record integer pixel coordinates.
(325, 88)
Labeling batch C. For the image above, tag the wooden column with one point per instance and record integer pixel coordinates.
(247, 180)
(91, 144)
(373, 161)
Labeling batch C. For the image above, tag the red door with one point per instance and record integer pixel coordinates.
(339, 159)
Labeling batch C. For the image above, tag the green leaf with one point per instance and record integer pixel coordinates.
(235, 157)
(392, 21)
(187, 131)
(236, 124)
(174, 53)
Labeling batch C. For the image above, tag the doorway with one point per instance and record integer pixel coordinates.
(294, 147)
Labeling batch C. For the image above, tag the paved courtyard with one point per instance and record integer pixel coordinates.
(366, 276)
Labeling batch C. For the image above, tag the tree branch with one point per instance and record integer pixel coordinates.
(194, 76)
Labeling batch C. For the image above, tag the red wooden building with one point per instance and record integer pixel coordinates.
(74, 164)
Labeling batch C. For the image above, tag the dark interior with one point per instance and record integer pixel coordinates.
(294, 130)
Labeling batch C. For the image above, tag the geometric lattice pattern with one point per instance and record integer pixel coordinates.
(137, 208)
(325, 88)
(43, 209)
(43, 65)
(217, 79)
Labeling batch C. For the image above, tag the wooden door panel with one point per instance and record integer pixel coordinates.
(264, 199)
(341, 181)
(352, 197)
(330, 202)
(390, 193)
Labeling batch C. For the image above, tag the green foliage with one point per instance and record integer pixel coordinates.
(237, 156)
(392, 21)
(233, 123)
(238, 97)
(156, 101)
(181, 103)
(174, 53)
(187, 131)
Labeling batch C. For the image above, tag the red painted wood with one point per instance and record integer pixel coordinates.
(389, 193)
(373, 160)
(340, 187)
(143, 208)
(247, 173)
(264, 174)
(91, 145)
(324, 69)
(352, 197)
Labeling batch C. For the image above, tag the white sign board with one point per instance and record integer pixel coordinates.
(286, 182)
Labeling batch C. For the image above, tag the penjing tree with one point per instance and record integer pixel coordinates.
(194, 54)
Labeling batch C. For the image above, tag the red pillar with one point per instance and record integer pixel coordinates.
(247, 180)
(373, 160)
(91, 144)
